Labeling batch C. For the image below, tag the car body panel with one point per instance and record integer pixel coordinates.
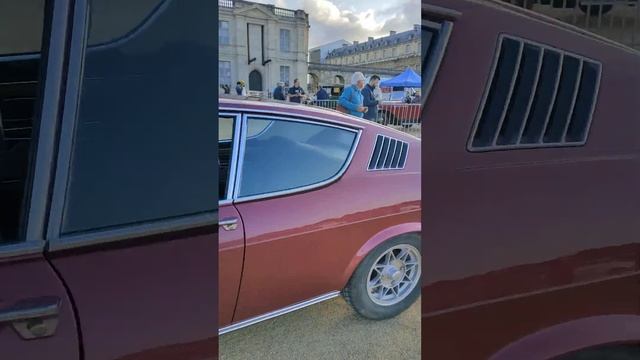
(305, 244)
(230, 261)
(31, 278)
(158, 290)
(520, 241)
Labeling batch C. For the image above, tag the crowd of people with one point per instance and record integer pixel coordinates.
(360, 98)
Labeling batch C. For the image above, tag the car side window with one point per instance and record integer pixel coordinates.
(142, 148)
(282, 155)
(20, 89)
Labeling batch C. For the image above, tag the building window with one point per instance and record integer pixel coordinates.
(224, 72)
(285, 38)
(407, 49)
(384, 53)
(223, 33)
(394, 52)
(284, 73)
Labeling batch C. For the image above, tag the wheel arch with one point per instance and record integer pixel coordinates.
(573, 336)
(377, 239)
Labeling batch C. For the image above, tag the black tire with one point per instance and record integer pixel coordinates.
(594, 10)
(355, 293)
(618, 352)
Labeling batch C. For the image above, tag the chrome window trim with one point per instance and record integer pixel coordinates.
(406, 160)
(310, 117)
(21, 248)
(234, 152)
(246, 115)
(444, 30)
(276, 313)
(69, 116)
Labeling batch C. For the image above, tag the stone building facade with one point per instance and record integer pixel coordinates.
(394, 51)
(261, 44)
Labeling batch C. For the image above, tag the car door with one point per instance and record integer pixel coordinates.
(231, 229)
(36, 314)
(297, 246)
(132, 226)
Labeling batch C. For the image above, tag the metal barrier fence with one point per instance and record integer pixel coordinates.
(618, 20)
(401, 116)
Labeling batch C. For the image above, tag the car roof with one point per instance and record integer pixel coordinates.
(290, 108)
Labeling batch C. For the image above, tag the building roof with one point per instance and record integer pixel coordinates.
(389, 40)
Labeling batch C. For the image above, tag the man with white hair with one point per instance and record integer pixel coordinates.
(351, 98)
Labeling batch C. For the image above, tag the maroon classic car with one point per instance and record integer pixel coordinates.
(314, 204)
(531, 169)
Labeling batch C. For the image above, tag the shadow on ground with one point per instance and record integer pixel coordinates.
(329, 330)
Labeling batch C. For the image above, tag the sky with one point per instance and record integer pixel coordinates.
(350, 20)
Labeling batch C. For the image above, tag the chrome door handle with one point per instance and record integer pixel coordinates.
(33, 318)
(229, 224)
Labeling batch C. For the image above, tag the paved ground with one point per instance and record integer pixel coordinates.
(329, 330)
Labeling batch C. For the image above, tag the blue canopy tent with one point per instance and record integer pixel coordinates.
(407, 78)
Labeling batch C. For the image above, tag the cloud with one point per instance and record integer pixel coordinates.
(332, 20)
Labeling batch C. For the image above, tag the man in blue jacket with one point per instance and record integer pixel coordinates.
(351, 98)
(369, 98)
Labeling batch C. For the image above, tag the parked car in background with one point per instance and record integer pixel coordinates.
(302, 215)
(531, 215)
(108, 203)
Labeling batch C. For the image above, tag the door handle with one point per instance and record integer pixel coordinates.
(33, 318)
(229, 224)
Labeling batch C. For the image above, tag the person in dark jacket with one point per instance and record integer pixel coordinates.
(369, 99)
(296, 93)
(322, 94)
(278, 93)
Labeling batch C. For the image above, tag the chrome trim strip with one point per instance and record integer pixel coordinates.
(512, 86)
(534, 90)
(273, 314)
(574, 97)
(440, 48)
(284, 113)
(552, 104)
(240, 159)
(21, 249)
(53, 94)
(238, 199)
(228, 221)
(68, 124)
(234, 152)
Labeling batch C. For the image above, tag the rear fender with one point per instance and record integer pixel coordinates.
(572, 336)
(377, 239)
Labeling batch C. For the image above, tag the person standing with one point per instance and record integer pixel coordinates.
(351, 98)
(278, 93)
(322, 94)
(369, 98)
(296, 92)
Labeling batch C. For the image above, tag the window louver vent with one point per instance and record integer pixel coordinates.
(538, 96)
(388, 154)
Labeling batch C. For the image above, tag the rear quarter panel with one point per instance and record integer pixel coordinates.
(521, 241)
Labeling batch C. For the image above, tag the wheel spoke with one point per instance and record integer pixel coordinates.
(403, 255)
